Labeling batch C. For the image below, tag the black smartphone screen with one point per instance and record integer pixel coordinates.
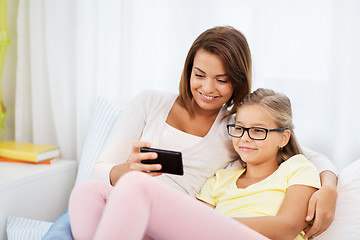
(171, 161)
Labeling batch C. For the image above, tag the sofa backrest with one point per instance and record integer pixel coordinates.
(105, 116)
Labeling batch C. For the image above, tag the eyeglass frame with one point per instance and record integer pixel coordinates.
(247, 130)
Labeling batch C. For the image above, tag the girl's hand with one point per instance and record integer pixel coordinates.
(321, 210)
(136, 157)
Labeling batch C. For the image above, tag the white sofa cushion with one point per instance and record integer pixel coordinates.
(24, 228)
(346, 224)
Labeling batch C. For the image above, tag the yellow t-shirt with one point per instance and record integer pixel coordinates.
(260, 199)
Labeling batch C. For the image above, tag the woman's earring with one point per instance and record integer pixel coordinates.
(281, 148)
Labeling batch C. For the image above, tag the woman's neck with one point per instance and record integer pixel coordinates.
(205, 113)
(198, 124)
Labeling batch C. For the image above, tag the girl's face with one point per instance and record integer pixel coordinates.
(209, 82)
(256, 152)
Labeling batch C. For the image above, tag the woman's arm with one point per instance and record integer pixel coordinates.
(290, 219)
(122, 146)
(322, 205)
(117, 149)
(321, 162)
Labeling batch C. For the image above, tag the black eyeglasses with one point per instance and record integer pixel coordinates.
(255, 133)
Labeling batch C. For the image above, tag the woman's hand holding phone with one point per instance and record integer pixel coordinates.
(150, 160)
(171, 161)
(134, 163)
(137, 156)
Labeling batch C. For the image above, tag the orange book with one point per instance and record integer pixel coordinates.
(19, 161)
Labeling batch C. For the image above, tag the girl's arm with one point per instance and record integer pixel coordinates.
(290, 219)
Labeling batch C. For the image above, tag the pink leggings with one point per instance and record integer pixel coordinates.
(141, 207)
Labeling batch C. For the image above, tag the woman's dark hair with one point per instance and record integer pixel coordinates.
(232, 47)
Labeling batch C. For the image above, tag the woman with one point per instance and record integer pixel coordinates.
(216, 77)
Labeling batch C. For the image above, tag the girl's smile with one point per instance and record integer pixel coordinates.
(247, 149)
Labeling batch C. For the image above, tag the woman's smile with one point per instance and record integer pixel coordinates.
(207, 98)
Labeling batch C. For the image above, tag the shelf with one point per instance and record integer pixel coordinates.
(36, 191)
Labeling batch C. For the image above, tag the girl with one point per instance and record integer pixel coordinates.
(270, 195)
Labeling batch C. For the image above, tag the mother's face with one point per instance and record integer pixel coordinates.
(209, 82)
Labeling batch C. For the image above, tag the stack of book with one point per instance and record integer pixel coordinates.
(11, 151)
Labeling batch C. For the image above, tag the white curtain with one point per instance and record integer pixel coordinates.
(46, 109)
(70, 51)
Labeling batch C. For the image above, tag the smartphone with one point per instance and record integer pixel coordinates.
(171, 161)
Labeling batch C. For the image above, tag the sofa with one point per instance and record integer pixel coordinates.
(346, 224)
